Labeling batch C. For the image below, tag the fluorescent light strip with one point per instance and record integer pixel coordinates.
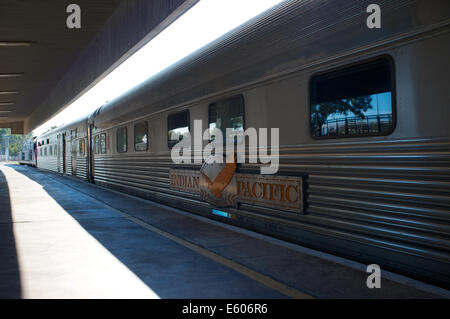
(15, 43)
(206, 21)
(10, 75)
(5, 111)
(8, 92)
(6, 103)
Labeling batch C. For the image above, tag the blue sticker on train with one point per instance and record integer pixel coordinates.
(221, 213)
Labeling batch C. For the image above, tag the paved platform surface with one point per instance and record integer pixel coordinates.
(64, 238)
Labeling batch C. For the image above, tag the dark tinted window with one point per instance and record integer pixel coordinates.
(96, 144)
(227, 114)
(103, 143)
(178, 127)
(355, 101)
(141, 136)
(122, 140)
(81, 147)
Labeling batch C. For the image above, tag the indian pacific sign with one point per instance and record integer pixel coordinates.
(220, 185)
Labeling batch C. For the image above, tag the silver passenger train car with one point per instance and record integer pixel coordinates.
(364, 131)
(28, 154)
(65, 150)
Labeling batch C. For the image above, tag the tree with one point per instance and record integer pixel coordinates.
(357, 106)
(15, 141)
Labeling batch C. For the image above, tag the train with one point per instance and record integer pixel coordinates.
(28, 154)
(363, 116)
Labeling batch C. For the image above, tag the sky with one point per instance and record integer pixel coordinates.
(381, 104)
(202, 24)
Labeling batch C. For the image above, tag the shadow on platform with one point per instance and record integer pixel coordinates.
(10, 286)
(167, 268)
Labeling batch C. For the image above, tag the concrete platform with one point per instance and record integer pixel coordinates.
(64, 238)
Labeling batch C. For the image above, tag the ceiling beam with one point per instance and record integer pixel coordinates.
(16, 127)
(133, 24)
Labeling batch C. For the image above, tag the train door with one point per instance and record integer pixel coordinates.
(90, 153)
(34, 155)
(74, 158)
(73, 151)
(64, 152)
(58, 152)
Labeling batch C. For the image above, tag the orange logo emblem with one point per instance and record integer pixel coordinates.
(222, 179)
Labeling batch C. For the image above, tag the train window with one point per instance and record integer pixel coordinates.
(50, 150)
(356, 101)
(40, 152)
(81, 144)
(177, 127)
(103, 143)
(96, 144)
(227, 114)
(141, 136)
(45, 151)
(122, 140)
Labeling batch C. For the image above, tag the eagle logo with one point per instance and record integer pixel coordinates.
(218, 175)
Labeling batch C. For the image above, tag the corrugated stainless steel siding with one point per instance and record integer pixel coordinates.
(48, 162)
(82, 167)
(397, 191)
(68, 164)
(61, 165)
(390, 195)
(146, 172)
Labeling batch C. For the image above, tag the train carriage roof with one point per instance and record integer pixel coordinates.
(289, 37)
(82, 121)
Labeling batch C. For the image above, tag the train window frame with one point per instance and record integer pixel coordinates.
(81, 146)
(390, 61)
(117, 139)
(103, 150)
(147, 131)
(171, 143)
(97, 144)
(240, 97)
